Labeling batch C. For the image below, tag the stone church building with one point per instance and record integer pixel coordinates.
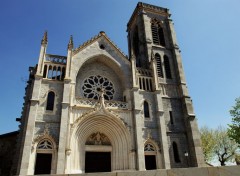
(97, 110)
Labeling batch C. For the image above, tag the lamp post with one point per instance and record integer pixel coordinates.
(186, 155)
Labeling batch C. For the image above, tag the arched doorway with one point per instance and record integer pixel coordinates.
(91, 126)
(44, 157)
(150, 157)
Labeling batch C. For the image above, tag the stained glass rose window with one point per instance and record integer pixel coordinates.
(94, 84)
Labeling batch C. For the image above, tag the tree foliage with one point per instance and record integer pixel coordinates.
(217, 145)
(225, 148)
(207, 137)
(234, 128)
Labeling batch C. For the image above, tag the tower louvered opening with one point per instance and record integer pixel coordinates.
(159, 65)
(157, 33)
(167, 67)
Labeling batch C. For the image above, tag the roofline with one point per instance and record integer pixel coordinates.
(147, 7)
(9, 134)
(88, 42)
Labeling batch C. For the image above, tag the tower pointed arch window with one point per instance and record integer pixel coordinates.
(159, 65)
(176, 153)
(150, 157)
(146, 109)
(167, 67)
(44, 157)
(136, 46)
(50, 101)
(157, 33)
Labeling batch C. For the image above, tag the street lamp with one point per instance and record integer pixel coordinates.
(186, 155)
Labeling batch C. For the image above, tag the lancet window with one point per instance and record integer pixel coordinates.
(50, 101)
(157, 33)
(175, 152)
(159, 65)
(146, 109)
(167, 67)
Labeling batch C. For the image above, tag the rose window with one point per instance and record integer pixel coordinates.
(93, 86)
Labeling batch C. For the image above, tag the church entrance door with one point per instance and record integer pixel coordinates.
(43, 163)
(97, 162)
(150, 162)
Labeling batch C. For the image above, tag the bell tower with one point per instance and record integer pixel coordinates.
(159, 81)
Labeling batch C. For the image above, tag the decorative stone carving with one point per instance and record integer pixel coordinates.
(44, 135)
(100, 109)
(68, 151)
(98, 139)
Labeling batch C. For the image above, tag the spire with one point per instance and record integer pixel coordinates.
(45, 38)
(70, 44)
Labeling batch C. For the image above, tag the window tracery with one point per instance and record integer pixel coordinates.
(45, 144)
(149, 148)
(94, 84)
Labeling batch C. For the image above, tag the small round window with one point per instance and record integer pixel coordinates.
(93, 85)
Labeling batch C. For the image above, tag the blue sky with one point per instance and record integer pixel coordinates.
(208, 33)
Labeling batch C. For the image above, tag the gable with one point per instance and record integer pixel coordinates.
(99, 56)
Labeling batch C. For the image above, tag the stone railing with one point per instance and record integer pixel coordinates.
(144, 72)
(108, 104)
(56, 59)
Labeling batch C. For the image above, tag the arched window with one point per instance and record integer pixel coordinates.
(54, 75)
(175, 152)
(45, 71)
(50, 101)
(159, 65)
(146, 109)
(157, 33)
(167, 67)
(150, 157)
(44, 157)
(59, 73)
(136, 46)
(63, 73)
(50, 72)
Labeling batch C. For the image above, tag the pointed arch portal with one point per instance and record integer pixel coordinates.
(104, 136)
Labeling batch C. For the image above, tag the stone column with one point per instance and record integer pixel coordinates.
(29, 130)
(133, 65)
(138, 128)
(64, 128)
(162, 132)
(154, 71)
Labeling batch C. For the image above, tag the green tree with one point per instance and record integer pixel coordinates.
(234, 128)
(217, 144)
(208, 143)
(225, 148)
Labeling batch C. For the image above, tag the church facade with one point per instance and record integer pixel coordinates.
(97, 110)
